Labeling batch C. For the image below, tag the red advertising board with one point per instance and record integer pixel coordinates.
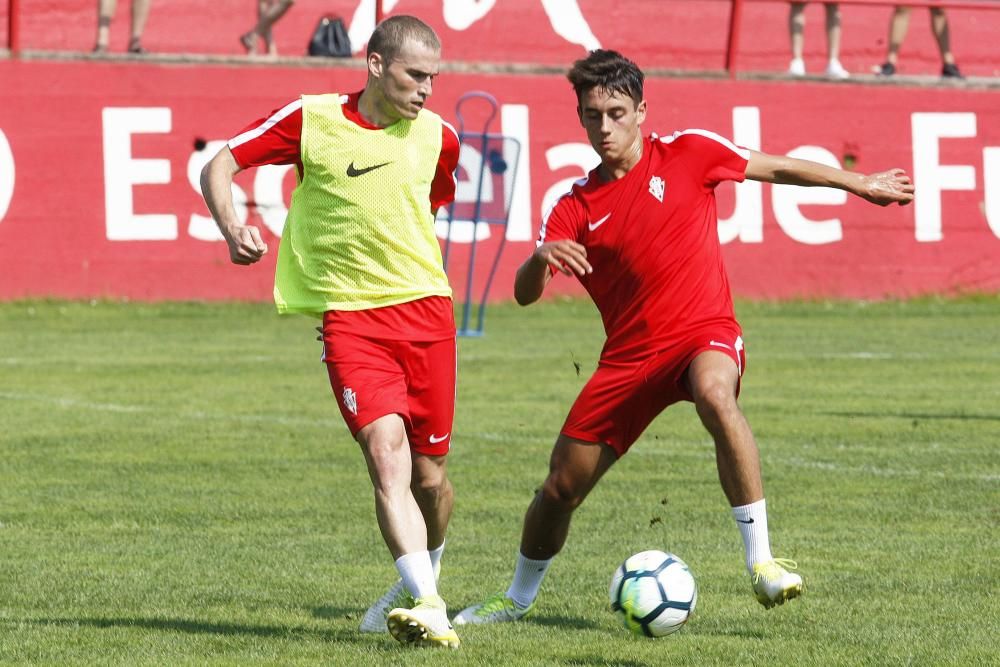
(99, 164)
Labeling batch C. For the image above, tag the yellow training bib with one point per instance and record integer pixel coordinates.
(360, 232)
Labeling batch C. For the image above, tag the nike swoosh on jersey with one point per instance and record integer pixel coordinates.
(435, 440)
(716, 343)
(594, 225)
(352, 171)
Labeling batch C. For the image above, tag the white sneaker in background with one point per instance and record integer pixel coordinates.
(797, 67)
(835, 70)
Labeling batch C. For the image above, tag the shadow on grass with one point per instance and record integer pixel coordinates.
(604, 662)
(339, 613)
(743, 634)
(563, 622)
(209, 628)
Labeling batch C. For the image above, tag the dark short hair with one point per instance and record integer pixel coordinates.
(607, 70)
(391, 34)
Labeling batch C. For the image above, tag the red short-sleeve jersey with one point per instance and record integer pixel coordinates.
(652, 239)
(277, 139)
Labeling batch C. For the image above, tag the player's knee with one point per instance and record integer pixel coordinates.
(715, 400)
(389, 471)
(432, 487)
(560, 492)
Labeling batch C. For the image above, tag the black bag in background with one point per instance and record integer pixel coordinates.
(330, 38)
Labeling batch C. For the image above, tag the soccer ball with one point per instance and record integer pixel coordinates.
(654, 593)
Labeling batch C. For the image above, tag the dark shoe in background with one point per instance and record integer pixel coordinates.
(885, 69)
(950, 71)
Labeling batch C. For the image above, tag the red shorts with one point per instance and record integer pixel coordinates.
(621, 400)
(373, 377)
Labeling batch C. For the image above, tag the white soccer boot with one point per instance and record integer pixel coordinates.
(498, 608)
(773, 583)
(396, 597)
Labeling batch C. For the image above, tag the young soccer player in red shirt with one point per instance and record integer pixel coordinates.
(640, 233)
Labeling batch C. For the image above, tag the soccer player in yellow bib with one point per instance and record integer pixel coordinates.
(359, 251)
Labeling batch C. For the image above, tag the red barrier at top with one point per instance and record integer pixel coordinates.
(671, 34)
(99, 165)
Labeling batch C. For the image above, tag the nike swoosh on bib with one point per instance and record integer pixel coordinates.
(594, 225)
(352, 171)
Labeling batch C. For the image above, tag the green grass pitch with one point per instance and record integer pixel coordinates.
(177, 487)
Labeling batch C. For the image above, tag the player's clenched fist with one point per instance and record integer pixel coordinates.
(245, 245)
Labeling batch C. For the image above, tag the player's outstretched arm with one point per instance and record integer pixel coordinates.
(883, 188)
(567, 256)
(245, 243)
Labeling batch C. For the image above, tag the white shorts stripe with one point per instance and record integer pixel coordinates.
(739, 357)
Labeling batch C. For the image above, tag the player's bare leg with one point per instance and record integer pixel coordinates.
(939, 26)
(834, 69)
(387, 453)
(899, 24)
(796, 32)
(434, 495)
(712, 378)
(140, 12)
(574, 470)
(105, 12)
(390, 467)
(268, 13)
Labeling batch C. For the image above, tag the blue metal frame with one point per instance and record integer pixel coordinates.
(483, 140)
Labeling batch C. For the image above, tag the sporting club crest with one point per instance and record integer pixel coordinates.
(656, 187)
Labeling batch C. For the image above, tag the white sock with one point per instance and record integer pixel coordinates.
(436, 560)
(528, 576)
(752, 522)
(417, 573)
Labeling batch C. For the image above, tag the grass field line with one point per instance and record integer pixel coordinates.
(879, 471)
(795, 462)
(681, 454)
(73, 403)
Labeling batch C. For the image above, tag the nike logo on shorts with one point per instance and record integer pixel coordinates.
(594, 225)
(435, 440)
